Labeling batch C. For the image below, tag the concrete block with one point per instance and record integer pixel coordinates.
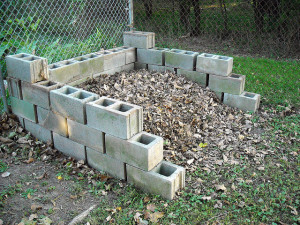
(233, 84)
(214, 64)
(171, 69)
(103, 162)
(69, 147)
(160, 69)
(14, 87)
(70, 102)
(198, 77)
(165, 179)
(86, 135)
(139, 39)
(52, 121)
(113, 58)
(29, 68)
(154, 56)
(220, 95)
(79, 81)
(38, 131)
(23, 109)
(115, 117)
(140, 66)
(64, 71)
(128, 67)
(143, 150)
(182, 59)
(38, 93)
(90, 64)
(21, 121)
(130, 54)
(246, 101)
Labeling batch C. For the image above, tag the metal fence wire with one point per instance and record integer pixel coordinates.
(264, 27)
(61, 29)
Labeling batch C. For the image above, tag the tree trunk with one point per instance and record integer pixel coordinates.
(148, 8)
(197, 11)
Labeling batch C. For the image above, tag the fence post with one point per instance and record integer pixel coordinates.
(130, 3)
(3, 93)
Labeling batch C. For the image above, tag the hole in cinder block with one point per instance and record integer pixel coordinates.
(208, 55)
(48, 83)
(116, 50)
(68, 90)
(31, 58)
(165, 170)
(189, 53)
(249, 95)
(22, 55)
(81, 59)
(145, 139)
(122, 107)
(67, 62)
(235, 76)
(106, 53)
(177, 51)
(82, 95)
(54, 66)
(91, 56)
(223, 57)
(105, 102)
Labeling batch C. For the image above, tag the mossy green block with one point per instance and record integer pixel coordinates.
(195, 76)
(23, 109)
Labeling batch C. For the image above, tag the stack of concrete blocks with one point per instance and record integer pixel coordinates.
(106, 133)
(77, 70)
(210, 70)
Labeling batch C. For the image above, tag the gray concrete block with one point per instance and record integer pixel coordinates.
(182, 59)
(139, 39)
(90, 64)
(64, 71)
(233, 84)
(86, 135)
(113, 58)
(69, 147)
(143, 150)
(140, 66)
(165, 179)
(130, 54)
(214, 64)
(14, 87)
(103, 162)
(52, 121)
(220, 95)
(171, 69)
(246, 101)
(23, 109)
(29, 68)
(21, 121)
(153, 56)
(70, 102)
(38, 93)
(128, 67)
(198, 77)
(160, 69)
(115, 117)
(38, 131)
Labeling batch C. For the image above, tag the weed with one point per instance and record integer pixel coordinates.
(28, 192)
(3, 166)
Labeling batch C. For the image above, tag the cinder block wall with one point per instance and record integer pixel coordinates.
(107, 133)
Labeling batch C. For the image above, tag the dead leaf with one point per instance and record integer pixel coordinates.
(261, 168)
(206, 198)
(137, 217)
(33, 216)
(154, 217)
(146, 199)
(22, 140)
(1, 222)
(108, 218)
(30, 160)
(189, 162)
(220, 187)
(5, 140)
(35, 207)
(5, 174)
(151, 207)
(293, 210)
(45, 221)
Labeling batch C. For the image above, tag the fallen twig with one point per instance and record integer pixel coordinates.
(81, 216)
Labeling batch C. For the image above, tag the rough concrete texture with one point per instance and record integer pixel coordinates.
(143, 150)
(23, 109)
(127, 67)
(214, 64)
(38, 93)
(181, 59)
(64, 71)
(140, 66)
(154, 56)
(70, 102)
(198, 77)
(52, 121)
(139, 39)
(246, 101)
(14, 87)
(21, 120)
(233, 84)
(27, 67)
(69, 147)
(130, 54)
(161, 69)
(90, 64)
(165, 179)
(220, 95)
(115, 117)
(85, 135)
(103, 162)
(113, 58)
(38, 131)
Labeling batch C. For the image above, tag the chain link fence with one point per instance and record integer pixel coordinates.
(61, 29)
(252, 27)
